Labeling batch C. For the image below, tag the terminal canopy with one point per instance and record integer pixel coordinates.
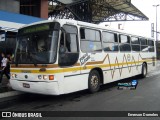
(95, 11)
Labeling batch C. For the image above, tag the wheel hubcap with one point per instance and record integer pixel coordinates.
(94, 81)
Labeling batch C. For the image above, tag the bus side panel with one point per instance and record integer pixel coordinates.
(136, 64)
(60, 79)
(151, 60)
(125, 64)
(75, 83)
(111, 71)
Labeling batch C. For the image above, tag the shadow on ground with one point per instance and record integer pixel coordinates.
(29, 98)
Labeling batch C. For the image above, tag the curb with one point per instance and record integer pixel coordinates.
(9, 94)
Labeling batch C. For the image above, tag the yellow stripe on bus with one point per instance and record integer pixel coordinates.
(77, 68)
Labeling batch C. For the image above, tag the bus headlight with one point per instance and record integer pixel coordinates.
(14, 75)
(39, 77)
(45, 77)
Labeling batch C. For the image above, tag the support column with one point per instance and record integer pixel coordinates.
(44, 9)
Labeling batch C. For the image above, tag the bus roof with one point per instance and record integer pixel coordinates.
(85, 24)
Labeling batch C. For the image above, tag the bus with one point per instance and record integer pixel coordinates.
(57, 57)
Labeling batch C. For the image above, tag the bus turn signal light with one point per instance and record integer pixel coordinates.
(51, 77)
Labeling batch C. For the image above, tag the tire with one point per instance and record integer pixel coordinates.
(94, 81)
(144, 71)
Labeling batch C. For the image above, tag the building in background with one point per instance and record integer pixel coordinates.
(15, 14)
(36, 8)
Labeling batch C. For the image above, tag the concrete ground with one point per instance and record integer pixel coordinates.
(4, 85)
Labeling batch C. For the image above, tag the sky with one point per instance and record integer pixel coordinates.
(141, 27)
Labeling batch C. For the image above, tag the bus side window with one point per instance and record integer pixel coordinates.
(110, 41)
(144, 45)
(151, 45)
(90, 40)
(124, 43)
(135, 43)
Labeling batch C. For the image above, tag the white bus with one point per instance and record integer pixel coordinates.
(63, 56)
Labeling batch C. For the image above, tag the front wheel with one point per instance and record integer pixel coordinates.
(94, 81)
(144, 70)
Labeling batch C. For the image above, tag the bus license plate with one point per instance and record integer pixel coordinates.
(26, 85)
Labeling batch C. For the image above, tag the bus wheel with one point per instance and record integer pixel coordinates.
(94, 81)
(144, 70)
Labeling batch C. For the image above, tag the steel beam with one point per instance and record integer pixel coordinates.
(94, 11)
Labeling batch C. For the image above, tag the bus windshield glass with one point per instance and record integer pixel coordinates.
(37, 44)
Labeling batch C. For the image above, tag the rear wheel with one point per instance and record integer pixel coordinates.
(94, 81)
(144, 70)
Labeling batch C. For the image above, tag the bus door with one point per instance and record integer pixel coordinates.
(69, 51)
(68, 58)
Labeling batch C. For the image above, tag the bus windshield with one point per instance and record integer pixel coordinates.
(36, 46)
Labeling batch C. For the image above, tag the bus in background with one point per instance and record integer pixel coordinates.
(63, 56)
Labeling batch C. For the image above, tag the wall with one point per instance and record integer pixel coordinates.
(10, 5)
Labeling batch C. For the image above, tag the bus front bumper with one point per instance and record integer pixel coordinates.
(47, 88)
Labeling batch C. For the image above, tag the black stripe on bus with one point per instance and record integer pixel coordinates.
(102, 70)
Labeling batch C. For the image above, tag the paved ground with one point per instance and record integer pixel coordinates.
(4, 85)
(145, 98)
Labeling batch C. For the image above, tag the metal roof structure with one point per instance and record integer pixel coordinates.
(95, 11)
